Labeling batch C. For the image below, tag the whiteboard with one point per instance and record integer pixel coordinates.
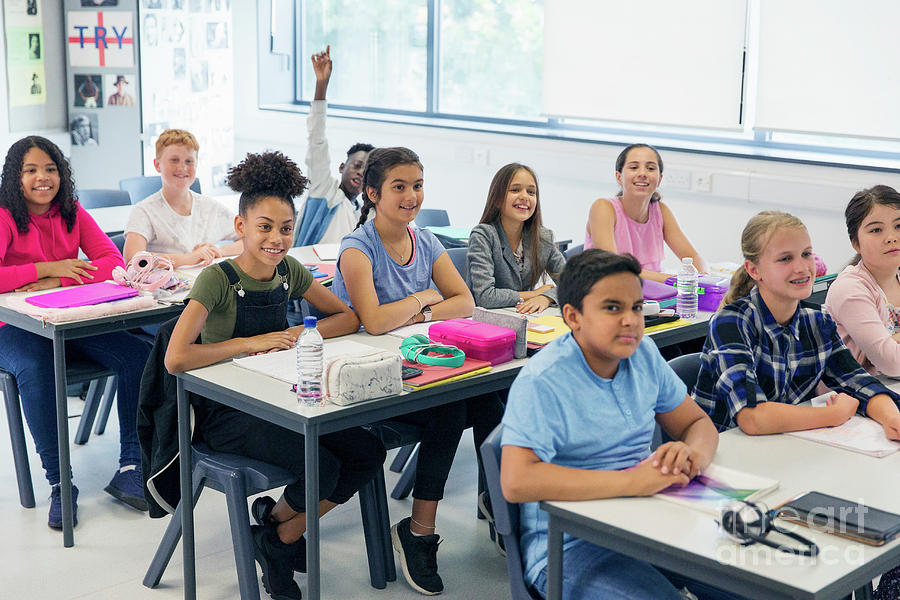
(829, 67)
(656, 61)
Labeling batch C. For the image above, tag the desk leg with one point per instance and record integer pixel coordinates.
(187, 495)
(313, 574)
(62, 431)
(554, 560)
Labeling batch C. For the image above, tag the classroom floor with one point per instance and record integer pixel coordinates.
(114, 544)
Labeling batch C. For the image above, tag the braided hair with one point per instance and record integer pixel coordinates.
(12, 197)
(270, 174)
(380, 161)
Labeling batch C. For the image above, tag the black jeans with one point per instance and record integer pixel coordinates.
(348, 459)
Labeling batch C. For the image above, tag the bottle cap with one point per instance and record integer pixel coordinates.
(309, 321)
(687, 260)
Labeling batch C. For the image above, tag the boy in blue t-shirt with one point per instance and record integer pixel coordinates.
(579, 423)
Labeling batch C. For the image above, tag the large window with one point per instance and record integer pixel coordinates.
(523, 66)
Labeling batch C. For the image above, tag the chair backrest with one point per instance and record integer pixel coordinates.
(574, 250)
(102, 198)
(432, 217)
(687, 367)
(506, 515)
(119, 241)
(458, 256)
(139, 188)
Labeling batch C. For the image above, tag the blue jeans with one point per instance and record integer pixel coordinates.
(29, 358)
(594, 573)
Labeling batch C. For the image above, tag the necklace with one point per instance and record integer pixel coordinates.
(401, 256)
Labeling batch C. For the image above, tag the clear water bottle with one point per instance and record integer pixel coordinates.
(309, 364)
(686, 303)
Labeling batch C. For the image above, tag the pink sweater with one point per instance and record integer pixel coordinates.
(642, 240)
(855, 302)
(48, 240)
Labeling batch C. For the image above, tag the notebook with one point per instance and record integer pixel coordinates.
(321, 270)
(858, 434)
(717, 486)
(432, 373)
(327, 251)
(283, 364)
(82, 295)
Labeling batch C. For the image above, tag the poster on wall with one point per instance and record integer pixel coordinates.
(186, 67)
(100, 38)
(24, 52)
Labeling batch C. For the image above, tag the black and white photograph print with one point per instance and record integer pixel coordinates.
(179, 63)
(153, 4)
(83, 128)
(174, 31)
(199, 76)
(31, 7)
(89, 3)
(34, 46)
(150, 30)
(217, 35)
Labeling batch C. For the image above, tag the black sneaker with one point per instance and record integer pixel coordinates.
(54, 519)
(418, 558)
(274, 556)
(487, 512)
(261, 509)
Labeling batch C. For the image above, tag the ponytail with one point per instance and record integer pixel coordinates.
(741, 284)
(364, 211)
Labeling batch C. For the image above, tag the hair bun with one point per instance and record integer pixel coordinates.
(269, 173)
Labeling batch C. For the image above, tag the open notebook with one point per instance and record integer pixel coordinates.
(718, 486)
(283, 364)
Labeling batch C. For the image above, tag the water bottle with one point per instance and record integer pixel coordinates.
(309, 364)
(686, 304)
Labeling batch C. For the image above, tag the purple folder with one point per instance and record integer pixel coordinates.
(82, 295)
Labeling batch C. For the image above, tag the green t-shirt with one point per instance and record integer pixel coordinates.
(211, 289)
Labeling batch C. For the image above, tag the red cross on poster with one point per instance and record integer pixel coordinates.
(100, 39)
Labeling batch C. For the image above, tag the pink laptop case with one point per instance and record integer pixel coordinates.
(82, 295)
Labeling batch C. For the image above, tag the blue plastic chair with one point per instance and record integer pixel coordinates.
(458, 256)
(574, 250)
(102, 198)
(506, 517)
(119, 241)
(139, 188)
(432, 217)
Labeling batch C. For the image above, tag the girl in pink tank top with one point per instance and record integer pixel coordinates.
(636, 221)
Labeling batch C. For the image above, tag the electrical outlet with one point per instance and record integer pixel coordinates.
(481, 156)
(675, 179)
(701, 182)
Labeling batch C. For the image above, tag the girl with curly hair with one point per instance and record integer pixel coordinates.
(240, 306)
(42, 228)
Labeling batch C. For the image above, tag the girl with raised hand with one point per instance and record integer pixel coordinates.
(42, 229)
(240, 306)
(512, 260)
(385, 271)
(767, 350)
(636, 220)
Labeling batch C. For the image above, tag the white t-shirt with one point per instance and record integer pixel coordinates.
(167, 231)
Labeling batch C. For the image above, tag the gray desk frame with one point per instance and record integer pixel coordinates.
(59, 333)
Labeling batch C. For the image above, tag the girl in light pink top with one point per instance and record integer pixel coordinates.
(865, 299)
(636, 221)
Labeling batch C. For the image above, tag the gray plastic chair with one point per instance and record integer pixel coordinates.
(432, 217)
(102, 198)
(574, 250)
(506, 517)
(77, 371)
(458, 256)
(239, 477)
(139, 188)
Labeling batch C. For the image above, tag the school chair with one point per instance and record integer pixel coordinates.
(119, 241)
(506, 517)
(139, 188)
(687, 367)
(458, 257)
(574, 250)
(77, 371)
(432, 217)
(102, 198)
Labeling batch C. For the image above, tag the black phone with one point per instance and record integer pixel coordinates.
(841, 517)
(650, 321)
(410, 372)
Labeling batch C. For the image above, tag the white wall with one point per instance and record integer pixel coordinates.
(571, 174)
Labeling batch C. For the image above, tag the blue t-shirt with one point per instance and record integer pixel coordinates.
(392, 280)
(570, 416)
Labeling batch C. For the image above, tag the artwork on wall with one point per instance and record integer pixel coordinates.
(100, 38)
(24, 52)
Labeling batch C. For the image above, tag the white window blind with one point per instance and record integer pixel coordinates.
(655, 61)
(829, 67)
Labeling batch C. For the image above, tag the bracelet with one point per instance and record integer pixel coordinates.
(419, 301)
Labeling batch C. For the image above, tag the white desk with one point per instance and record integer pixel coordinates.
(688, 541)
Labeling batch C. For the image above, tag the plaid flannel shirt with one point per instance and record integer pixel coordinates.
(750, 358)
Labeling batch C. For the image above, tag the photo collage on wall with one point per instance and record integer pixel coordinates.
(101, 47)
(186, 67)
(24, 52)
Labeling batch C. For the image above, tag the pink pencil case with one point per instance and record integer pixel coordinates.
(479, 340)
(82, 295)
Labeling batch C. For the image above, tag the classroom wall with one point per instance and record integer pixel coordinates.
(571, 174)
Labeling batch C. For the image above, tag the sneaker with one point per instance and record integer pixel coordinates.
(418, 558)
(128, 487)
(486, 511)
(54, 521)
(261, 509)
(274, 556)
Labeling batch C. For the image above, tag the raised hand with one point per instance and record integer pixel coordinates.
(321, 62)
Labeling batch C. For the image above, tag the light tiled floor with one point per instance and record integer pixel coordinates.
(114, 544)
